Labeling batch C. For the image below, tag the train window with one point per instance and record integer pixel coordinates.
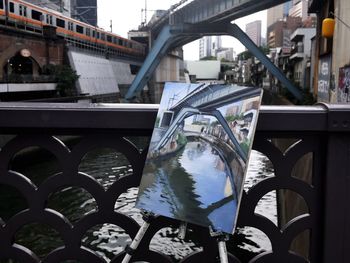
(103, 36)
(79, 29)
(98, 35)
(22, 10)
(60, 23)
(93, 33)
(12, 7)
(88, 32)
(36, 15)
(109, 38)
(70, 26)
(1, 4)
(120, 42)
(49, 19)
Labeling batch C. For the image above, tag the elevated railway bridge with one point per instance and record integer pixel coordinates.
(191, 20)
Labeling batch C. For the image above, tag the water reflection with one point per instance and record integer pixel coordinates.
(193, 186)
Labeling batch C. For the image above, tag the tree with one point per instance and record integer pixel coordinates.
(65, 77)
(247, 54)
(209, 58)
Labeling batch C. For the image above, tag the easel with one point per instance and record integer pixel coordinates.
(148, 217)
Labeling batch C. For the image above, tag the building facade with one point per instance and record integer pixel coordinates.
(253, 30)
(62, 6)
(300, 57)
(227, 54)
(278, 12)
(209, 46)
(278, 34)
(205, 49)
(332, 55)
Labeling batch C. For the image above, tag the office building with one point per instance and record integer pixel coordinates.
(205, 49)
(253, 30)
(62, 6)
(278, 12)
(85, 11)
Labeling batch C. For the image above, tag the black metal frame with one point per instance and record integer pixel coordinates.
(322, 130)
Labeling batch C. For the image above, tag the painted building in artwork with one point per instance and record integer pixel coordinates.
(332, 55)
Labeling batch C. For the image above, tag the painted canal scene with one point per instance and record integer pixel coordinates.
(198, 154)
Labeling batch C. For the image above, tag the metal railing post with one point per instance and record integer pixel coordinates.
(336, 239)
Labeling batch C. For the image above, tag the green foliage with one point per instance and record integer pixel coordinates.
(181, 139)
(245, 146)
(234, 117)
(209, 58)
(225, 60)
(247, 54)
(65, 78)
(244, 55)
(157, 122)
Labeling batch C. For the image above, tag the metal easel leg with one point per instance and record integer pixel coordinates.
(130, 250)
(221, 238)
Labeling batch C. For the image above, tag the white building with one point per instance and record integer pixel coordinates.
(209, 46)
(227, 54)
(301, 55)
(205, 69)
(205, 49)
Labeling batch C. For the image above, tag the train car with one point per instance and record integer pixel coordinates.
(30, 17)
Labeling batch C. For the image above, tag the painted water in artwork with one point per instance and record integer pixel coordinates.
(199, 153)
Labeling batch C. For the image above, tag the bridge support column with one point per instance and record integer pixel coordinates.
(235, 31)
(160, 48)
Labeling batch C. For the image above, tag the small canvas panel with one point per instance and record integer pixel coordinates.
(199, 152)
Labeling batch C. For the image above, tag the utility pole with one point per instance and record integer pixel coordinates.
(111, 25)
(145, 12)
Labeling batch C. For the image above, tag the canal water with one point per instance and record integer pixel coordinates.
(194, 185)
(107, 166)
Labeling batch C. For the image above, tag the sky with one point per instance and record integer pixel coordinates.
(128, 15)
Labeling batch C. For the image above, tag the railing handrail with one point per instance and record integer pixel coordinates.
(141, 117)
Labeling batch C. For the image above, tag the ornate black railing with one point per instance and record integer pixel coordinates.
(309, 148)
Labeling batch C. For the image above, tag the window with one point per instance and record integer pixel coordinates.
(60, 23)
(120, 42)
(103, 36)
(80, 29)
(88, 32)
(70, 26)
(109, 38)
(36, 15)
(49, 19)
(98, 35)
(22, 10)
(12, 7)
(93, 33)
(1, 4)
